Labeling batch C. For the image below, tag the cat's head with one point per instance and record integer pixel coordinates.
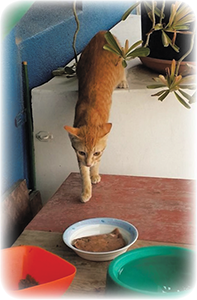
(89, 142)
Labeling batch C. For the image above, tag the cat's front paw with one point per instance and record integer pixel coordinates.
(86, 195)
(95, 178)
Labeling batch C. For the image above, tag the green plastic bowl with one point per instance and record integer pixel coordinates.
(152, 271)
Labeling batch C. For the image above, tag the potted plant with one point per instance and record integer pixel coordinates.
(180, 21)
(168, 35)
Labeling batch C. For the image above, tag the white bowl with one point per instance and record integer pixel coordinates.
(97, 226)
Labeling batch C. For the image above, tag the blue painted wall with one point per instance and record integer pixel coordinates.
(43, 38)
(13, 142)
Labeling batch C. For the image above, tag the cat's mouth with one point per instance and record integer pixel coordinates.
(89, 166)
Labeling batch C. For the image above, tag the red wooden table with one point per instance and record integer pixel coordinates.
(162, 209)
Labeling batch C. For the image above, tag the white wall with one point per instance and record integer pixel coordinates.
(148, 137)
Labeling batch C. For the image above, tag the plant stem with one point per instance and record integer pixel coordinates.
(77, 30)
(153, 13)
(162, 10)
(153, 25)
(187, 53)
(147, 39)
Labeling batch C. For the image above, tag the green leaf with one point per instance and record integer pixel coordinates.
(164, 95)
(181, 100)
(127, 13)
(158, 26)
(186, 19)
(69, 70)
(58, 72)
(175, 82)
(124, 63)
(134, 46)
(111, 49)
(193, 100)
(112, 42)
(157, 79)
(165, 40)
(188, 97)
(176, 48)
(172, 15)
(159, 93)
(157, 11)
(180, 27)
(187, 86)
(182, 11)
(168, 79)
(178, 4)
(173, 69)
(155, 86)
(148, 8)
(139, 52)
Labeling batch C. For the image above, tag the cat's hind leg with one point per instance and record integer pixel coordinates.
(123, 83)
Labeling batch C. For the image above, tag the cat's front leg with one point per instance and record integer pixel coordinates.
(86, 183)
(94, 174)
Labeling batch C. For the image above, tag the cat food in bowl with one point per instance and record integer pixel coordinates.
(154, 272)
(100, 239)
(30, 271)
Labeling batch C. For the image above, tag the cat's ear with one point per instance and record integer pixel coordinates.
(106, 129)
(72, 130)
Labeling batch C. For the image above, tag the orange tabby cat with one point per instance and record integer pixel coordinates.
(99, 73)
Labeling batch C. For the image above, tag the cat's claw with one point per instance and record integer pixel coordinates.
(95, 179)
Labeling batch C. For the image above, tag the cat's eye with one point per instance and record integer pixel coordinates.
(82, 153)
(97, 153)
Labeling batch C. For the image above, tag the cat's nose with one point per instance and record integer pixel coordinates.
(88, 161)
(88, 165)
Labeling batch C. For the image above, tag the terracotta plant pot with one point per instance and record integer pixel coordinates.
(160, 65)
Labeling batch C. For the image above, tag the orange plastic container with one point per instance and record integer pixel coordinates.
(53, 273)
